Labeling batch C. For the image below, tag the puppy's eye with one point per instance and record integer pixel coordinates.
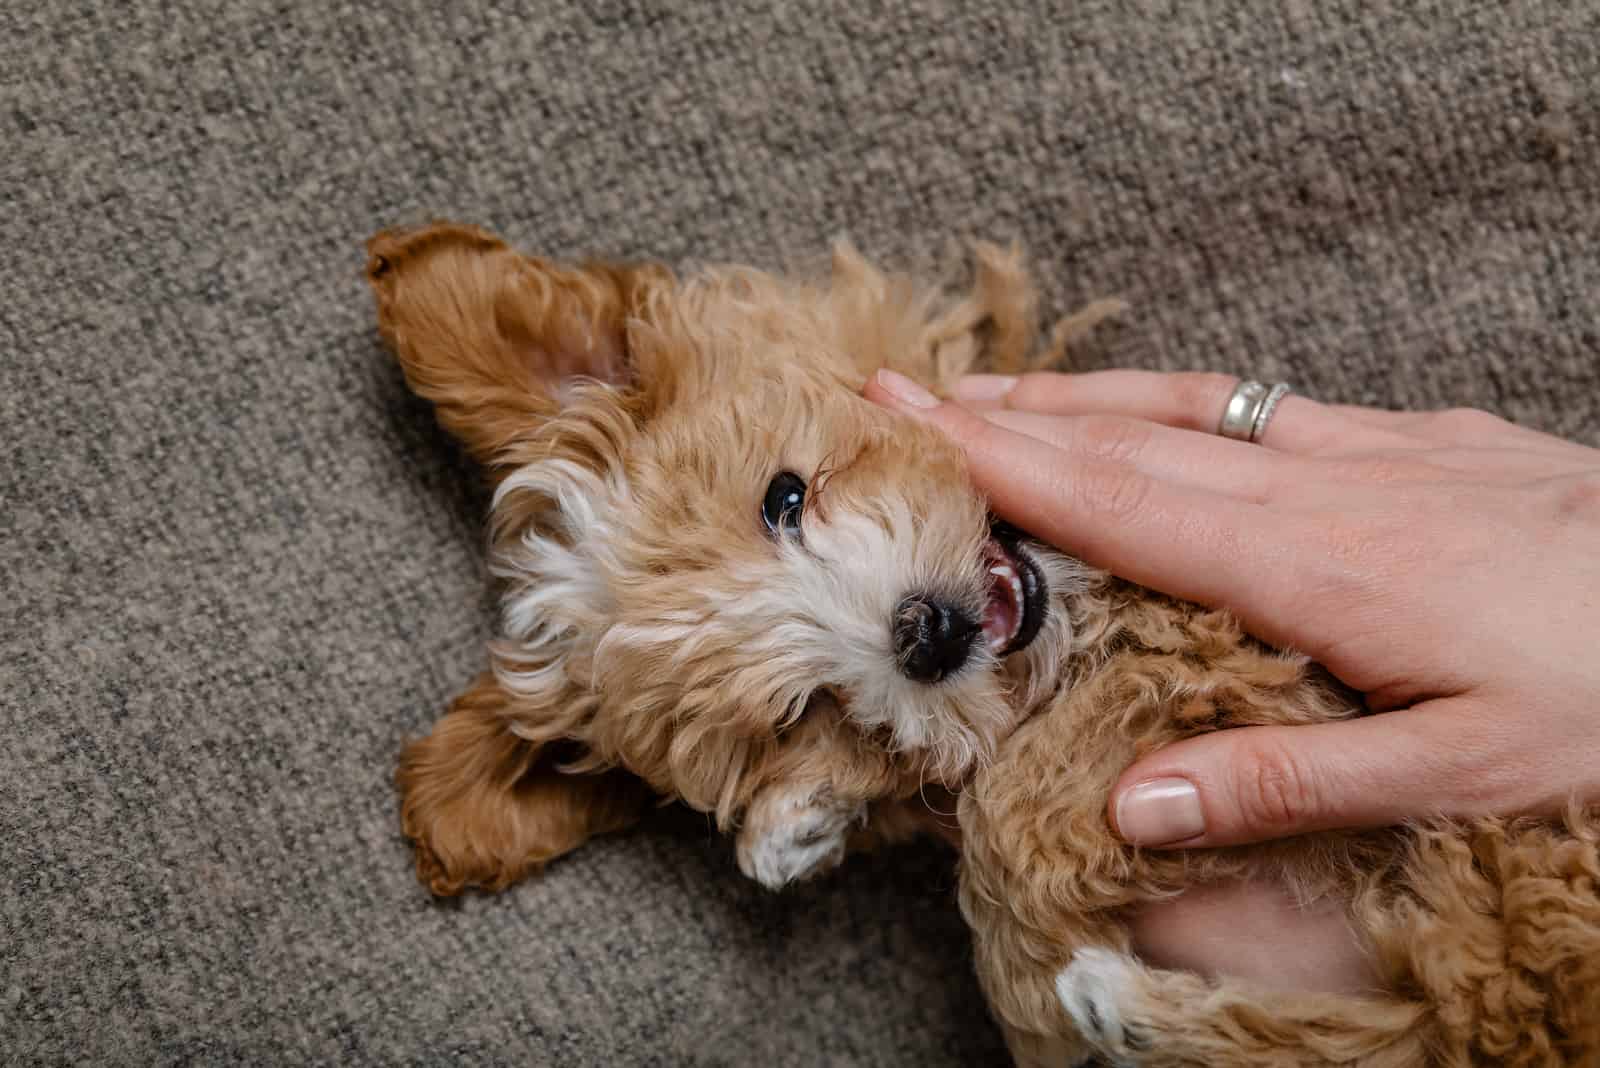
(785, 499)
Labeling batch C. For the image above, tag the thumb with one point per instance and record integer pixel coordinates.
(1257, 783)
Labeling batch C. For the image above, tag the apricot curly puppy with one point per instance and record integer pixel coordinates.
(732, 582)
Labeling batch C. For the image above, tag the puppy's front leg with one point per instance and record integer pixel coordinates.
(796, 831)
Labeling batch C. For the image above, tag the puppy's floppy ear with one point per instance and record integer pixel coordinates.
(486, 806)
(495, 339)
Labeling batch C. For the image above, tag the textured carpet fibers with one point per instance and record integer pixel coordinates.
(238, 565)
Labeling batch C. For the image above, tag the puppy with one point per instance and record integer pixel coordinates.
(729, 581)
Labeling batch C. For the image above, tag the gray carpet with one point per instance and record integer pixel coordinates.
(239, 565)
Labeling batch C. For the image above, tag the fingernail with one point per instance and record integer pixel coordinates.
(904, 390)
(1160, 812)
(983, 389)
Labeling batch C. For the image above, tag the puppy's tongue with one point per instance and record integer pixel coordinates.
(1002, 615)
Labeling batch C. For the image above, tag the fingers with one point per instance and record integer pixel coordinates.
(1195, 400)
(1198, 461)
(1188, 401)
(1183, 400)
(1184, 541)
(1257, 783)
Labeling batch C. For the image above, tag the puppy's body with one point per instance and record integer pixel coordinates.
(1486, 938)
(732, 582)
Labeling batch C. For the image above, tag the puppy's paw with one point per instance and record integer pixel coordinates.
(1097, 989)
(793, 835)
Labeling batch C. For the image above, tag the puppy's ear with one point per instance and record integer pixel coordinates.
(486, 806)
(496, 339)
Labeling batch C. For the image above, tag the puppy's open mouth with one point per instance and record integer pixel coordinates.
(1018, 598)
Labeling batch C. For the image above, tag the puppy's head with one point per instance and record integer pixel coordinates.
(726, 572)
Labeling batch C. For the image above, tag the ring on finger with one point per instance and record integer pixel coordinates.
(1249, 409)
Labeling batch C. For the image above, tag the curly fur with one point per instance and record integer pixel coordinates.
(658, 643)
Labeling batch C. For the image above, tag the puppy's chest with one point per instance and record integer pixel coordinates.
(1146, 670)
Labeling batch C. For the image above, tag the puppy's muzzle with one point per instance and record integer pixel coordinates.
(932, 638)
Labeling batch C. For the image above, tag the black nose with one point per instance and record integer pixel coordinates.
(931, 638)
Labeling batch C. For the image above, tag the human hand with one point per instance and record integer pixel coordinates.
(1446, 564)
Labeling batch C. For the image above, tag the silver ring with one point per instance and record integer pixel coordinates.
(1250, 407)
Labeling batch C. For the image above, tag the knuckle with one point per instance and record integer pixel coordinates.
(1276, 791)
(1110, 438)
(1115, 494)
(1037, 391)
